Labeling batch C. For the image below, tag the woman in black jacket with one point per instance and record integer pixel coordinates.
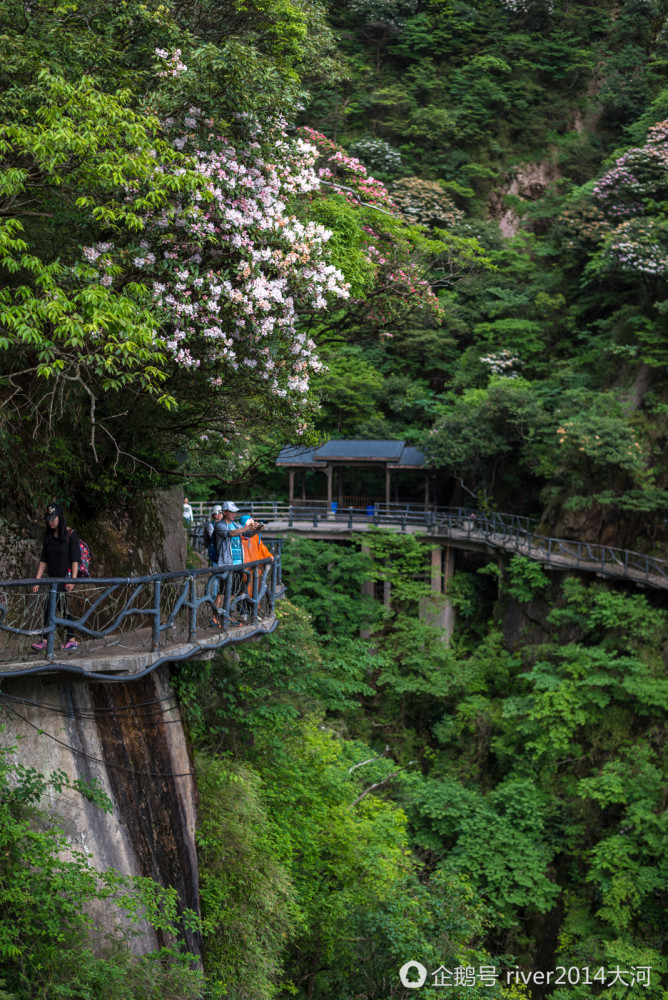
(60, 557)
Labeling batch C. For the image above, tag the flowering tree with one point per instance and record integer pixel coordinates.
(635, 236)
(200, 246)
(404, 264)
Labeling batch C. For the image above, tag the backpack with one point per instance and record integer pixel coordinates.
(213, 550)
(86, 556)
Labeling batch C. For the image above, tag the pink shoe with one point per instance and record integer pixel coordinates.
(39, 646)
(70, 644)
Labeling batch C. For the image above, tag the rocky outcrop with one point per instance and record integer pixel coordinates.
(528, 182)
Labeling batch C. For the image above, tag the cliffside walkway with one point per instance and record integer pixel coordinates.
(126, 627)
(460, 528)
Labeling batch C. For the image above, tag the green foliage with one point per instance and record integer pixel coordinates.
(249, 910)
(525, 579)
(498, 839)
(48, 945)
(483, 428)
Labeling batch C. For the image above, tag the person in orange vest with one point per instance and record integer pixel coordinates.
(254, 548)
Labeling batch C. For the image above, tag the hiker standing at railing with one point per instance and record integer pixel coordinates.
(225, 531)
(61, 555)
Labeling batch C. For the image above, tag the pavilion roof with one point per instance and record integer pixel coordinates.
(295, 455)
(411, 458)
(395, 454)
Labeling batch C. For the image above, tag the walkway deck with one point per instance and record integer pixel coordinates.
(127, 627)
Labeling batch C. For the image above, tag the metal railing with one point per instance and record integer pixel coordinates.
(507, 532)
(129, 615)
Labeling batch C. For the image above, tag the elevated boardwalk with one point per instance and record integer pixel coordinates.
(126, 627)
(464, 529)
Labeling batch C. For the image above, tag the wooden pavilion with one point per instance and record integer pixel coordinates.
(336, 457)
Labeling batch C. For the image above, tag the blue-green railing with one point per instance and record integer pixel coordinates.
(151, 613)
(507, 532)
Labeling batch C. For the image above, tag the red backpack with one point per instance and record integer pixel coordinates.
(86, 556)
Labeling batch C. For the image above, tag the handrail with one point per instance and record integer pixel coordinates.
(507, 532)
(137, 614)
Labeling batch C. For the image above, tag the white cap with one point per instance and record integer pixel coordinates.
(217, 509)
(228, 505)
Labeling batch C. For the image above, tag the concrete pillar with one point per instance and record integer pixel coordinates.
(440, 613)
(368, 587)
(448, 573)
(387, 593)
(437, 570)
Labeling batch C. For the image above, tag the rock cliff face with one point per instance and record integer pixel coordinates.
(127, 735)
(146, 537)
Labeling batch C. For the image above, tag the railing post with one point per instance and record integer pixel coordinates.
(227, 599)
(290, 516)
(192, 628)
(157, 588)
(51, 636)
(255, 589)
(350, 518)
(272, 587)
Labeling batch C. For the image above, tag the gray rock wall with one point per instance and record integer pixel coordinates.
(129, 736)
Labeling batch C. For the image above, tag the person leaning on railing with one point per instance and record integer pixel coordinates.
(61, 556)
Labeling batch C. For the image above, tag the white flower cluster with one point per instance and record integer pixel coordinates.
(502, 363)
(523, 6)
(377, 154)
(392, 12)
(245, 265)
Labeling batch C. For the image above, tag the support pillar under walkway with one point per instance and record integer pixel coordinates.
(441, 613)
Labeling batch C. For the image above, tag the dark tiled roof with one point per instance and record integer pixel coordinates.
(294, 455)
(370, 451)
(396, 454)
(411, 458)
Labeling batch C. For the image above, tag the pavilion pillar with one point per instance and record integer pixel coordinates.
(292, 486)
(388, 475)
(328, 472)
(426, 489)
(340, 486)
(303, 484)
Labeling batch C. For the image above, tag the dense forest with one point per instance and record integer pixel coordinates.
(228, 225)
